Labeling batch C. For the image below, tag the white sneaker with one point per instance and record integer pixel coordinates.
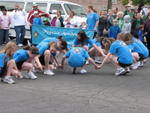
(20, 45)
(141, 64)
(31, 76)
(135, 65)
(120, 71)
(49, 72)
(8, 80)
(83, 71)
(128, 69)
(87, 62)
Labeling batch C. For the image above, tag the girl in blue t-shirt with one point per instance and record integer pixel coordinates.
(48, 49)
(119, 55)
(77, 57)
(83, 41)
(25, 60)
(7, 65)
(138, 49)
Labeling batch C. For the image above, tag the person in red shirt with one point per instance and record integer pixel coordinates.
(35, 9)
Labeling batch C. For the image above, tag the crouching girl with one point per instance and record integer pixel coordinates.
(77, 57)
(7, 65)
(24, 60)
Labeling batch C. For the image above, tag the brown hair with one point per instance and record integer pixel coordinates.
(53, 45)
(32, 49)
(64, 45)
(127, 38)
(107, 43)
(83, 37)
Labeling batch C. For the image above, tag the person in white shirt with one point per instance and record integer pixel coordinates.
(71, 21)
(19, 24)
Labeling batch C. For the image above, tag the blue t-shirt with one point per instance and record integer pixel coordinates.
(2, 58)
(77, 57)
(135, 48)
(91, 20)
(120, 49)
(97, 43)
(37, 21)
(43, 45)
(86, 42)
(114, 31)
(142, 46)
(21, 55)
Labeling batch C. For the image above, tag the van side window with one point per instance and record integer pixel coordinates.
(56, 7)
(41, 6)
(10, 6)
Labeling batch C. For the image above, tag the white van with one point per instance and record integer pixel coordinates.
(48, 6)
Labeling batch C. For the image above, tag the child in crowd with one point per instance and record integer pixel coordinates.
(119, 55)
(141, 33)
(48, 49)
(7, 65)
(37, 20)
(127, 24)
(77, 57)
(114, 30)
(24, 59)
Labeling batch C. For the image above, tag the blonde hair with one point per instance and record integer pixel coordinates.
(107, 43)
(10, 46)
(53, 45)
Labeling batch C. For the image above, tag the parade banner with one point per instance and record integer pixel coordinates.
(41, 32)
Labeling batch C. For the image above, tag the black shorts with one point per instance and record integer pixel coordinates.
(2, 71)
(41, 58)
(19, 65)
(141, 57)
(124, 65)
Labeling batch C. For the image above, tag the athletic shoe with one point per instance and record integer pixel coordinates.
(49, 72)
(135, 65)
(120, 71)
(31, 76)
(141, 64)
(128, 69)
(87, 62)
(8, 80)
(20, 45)
(83, 71)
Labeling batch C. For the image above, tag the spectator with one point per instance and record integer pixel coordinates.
(37, 19)
(35, 9)
(137, 21)
(103, 24)
(46, 21)
(141, 33)
(58, 20)
(19, 23)
(114, 30)
(92, 19)
(127, 24)
(120, 19)
(71, 21)
(5, 21)
(147, 31)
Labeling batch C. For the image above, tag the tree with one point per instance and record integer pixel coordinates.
(136, 2)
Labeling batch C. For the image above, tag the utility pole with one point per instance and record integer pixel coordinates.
(109, 5)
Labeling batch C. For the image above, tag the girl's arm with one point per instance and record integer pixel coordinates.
(99, 49)
(105, 59)
(37, 61)
(93, 62)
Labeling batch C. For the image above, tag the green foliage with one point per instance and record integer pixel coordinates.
(125, 2)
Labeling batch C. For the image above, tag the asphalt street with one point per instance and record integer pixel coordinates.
(99, 91)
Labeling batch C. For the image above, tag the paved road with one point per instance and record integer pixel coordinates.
(96, 92)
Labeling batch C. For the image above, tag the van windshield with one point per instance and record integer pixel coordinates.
(79, 11)
(10, 6)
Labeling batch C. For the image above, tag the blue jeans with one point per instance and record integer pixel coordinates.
(20, 33)
(4, 36)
